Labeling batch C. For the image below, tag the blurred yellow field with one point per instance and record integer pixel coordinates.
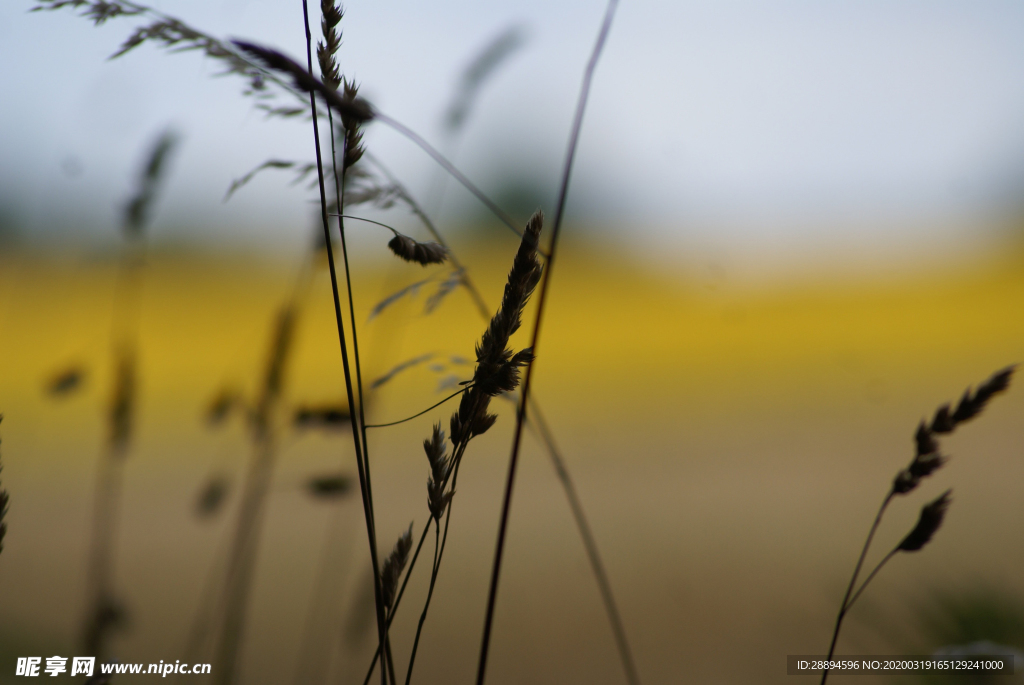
(731, 443)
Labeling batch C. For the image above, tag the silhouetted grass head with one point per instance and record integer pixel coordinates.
(930, 520)
(393, 567)
(927, 459)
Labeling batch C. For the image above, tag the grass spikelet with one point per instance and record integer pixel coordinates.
(437, 498)
(476, 73)
(522, 280)
(497, 367)
(65, 382)
(212, 497)
(326, 417)
(357, 109)
(926, 461)
(393, 567)
(331, 486)
(221, 406)
(414, 251)
(410, 290)
(327, 48)
(122, 402)
(972, 405)
(353, 132)
(98, 12)
(399, 368)
(447, 286)
(929, 522)
(926, 456)
(301, 172)
(136, 213)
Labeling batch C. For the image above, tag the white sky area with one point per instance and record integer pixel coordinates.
(874, 125)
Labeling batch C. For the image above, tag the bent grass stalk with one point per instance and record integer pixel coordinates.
(539, 318)
(927, 459)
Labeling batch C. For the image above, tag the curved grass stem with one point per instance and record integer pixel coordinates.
(539, 318)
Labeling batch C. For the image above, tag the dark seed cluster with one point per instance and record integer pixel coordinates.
(926, 456)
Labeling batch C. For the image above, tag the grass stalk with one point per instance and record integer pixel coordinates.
(430, 593)
(589, 543)
(398, 599)
(853, 580)
(871, 575)
(438, 556)
(539, 318)
(545, 432)
(927, 459)
(364, 485)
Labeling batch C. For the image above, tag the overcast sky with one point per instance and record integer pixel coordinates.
(710, 119)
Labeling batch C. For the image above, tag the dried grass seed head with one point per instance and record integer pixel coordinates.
(924, 440)
(414, 251)
(212, 496)
(358, 109)
(221, 406)
(926, 454)
(122, 401)
(280, 348)
(931, 518)
(332, 417)
(436, 454)
(482, 423)
(437, 498)
(971, 404)
(138, 209)
(393, 567)
(522, 280)
(330, 486)
(65, 382)
(497, 368)
(354, 137)
(327, 49)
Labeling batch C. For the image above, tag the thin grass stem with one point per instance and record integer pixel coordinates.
(398, 599)
(430, 593)
(541, 302)
(418, 414)
(871, 575)
(853, 580)
(420, 142)
(589, 544)
(356, 433)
